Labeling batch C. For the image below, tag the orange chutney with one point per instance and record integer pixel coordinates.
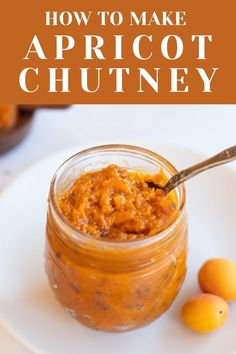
(118, 204)
(116, 249)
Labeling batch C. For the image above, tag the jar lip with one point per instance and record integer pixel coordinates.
(79, 236)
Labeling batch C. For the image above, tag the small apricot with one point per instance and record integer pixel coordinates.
(218, 276)
(205, 313)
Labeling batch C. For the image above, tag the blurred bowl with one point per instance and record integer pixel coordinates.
(13, 137)
(10, 139)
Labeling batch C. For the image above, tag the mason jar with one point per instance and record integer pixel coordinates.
(112, 285)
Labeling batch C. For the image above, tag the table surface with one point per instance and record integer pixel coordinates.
(206, 129)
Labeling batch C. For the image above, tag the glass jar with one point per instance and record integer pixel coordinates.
(111, 285)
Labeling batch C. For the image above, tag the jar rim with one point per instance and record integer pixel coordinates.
(85, 238)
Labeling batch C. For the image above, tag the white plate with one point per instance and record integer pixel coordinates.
(29, 309)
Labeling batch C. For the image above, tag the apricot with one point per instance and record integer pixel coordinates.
(205, 313)
(218, 276)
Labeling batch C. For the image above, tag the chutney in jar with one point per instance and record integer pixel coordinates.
(116, 249)
(115, 203)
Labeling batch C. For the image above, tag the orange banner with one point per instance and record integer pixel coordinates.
(118, 52)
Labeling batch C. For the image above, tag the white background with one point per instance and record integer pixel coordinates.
(206, 129)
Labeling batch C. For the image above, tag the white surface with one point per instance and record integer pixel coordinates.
(203, 128)
(27, 306)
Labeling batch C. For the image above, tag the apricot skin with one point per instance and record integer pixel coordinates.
(218, 276)
(205, 313)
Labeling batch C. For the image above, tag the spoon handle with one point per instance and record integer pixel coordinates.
(219, 159)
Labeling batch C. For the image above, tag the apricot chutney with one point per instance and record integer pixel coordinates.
(115, 248)
(117, 204)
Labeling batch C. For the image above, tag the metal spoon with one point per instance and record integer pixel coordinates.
(219, 159)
